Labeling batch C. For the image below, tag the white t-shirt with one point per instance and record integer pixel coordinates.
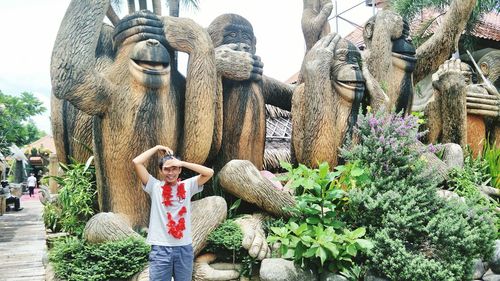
(31, 181)
(158, 230)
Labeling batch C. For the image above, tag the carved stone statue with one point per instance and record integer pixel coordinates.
(136, 99)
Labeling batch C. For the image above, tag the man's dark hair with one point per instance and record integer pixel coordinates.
(166, 158)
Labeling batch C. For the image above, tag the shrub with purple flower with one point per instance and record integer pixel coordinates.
(388, 143)
(417, 235)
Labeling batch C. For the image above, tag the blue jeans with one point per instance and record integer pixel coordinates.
(166, 262)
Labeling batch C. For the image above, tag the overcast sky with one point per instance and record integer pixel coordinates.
(28, 29)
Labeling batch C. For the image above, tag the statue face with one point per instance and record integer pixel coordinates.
(403, 49)
(149, 63)
(345, 72)
(239, 34)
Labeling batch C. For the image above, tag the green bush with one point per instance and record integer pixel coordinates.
(315, 237)
(51, 217)
(73, 259)
(417, 235)
(76, 202)
(226, 241)
(465, 182)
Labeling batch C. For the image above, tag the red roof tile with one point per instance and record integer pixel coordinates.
(487, 28)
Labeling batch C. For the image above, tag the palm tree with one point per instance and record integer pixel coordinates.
(174, 5)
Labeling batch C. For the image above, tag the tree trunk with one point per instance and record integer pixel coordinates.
(438, 48)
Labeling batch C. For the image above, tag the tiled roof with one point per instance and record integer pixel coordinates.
(489, 27)
(45, 142)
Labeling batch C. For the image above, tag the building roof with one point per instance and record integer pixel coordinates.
(488, 27)
(46, 142)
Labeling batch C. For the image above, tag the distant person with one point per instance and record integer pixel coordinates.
(32, 184)
(170, 216)
(9, 198)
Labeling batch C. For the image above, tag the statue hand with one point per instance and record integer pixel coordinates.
(452, 66)
(320, 57)
(203, 269)
(234, 62)
(254, 238)
(139, 26)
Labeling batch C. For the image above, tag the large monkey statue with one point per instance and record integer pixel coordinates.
(446, 112)
(490, 67)
(456, 107)
(326, 105)
(244, 94)
(135, 99)
(391, 58)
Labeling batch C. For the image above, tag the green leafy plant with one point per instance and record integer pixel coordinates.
(52, 217)
(75, 260)
(417, 235)
(491, 155)
(315, 236)
(76, 202)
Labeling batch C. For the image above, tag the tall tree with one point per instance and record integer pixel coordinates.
(16, 127)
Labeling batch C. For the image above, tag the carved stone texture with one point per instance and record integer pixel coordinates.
(325, 107)
(104, 227)
(245, 91)
(204, 269)
(242, 179)
(122, 78)
(254, 237)
(207, 214)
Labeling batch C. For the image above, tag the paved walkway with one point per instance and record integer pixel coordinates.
(22, 242)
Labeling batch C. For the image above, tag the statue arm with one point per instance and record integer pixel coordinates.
(201, 85)
(277, 93)
(437, 49)
(315, 20)
(73, 66)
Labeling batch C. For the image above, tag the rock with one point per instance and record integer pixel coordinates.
(141, 276)
(490, 276)
(495, 259)
(50, 275)
(448, 195)
(478, 269)
(453, 155)
(329, 276)
(276, 269)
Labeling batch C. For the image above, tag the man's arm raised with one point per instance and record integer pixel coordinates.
(140, 160)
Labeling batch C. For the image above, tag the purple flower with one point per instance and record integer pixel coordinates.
(431, 148)
(373, 122)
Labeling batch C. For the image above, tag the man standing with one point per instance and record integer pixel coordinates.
(170, 216)
(31, 184)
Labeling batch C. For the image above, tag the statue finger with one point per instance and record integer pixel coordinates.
(255, 77)
(142, 37)
(255, 249)
(248, 239)
(124, 25)
(263, 253)
(257, 61)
